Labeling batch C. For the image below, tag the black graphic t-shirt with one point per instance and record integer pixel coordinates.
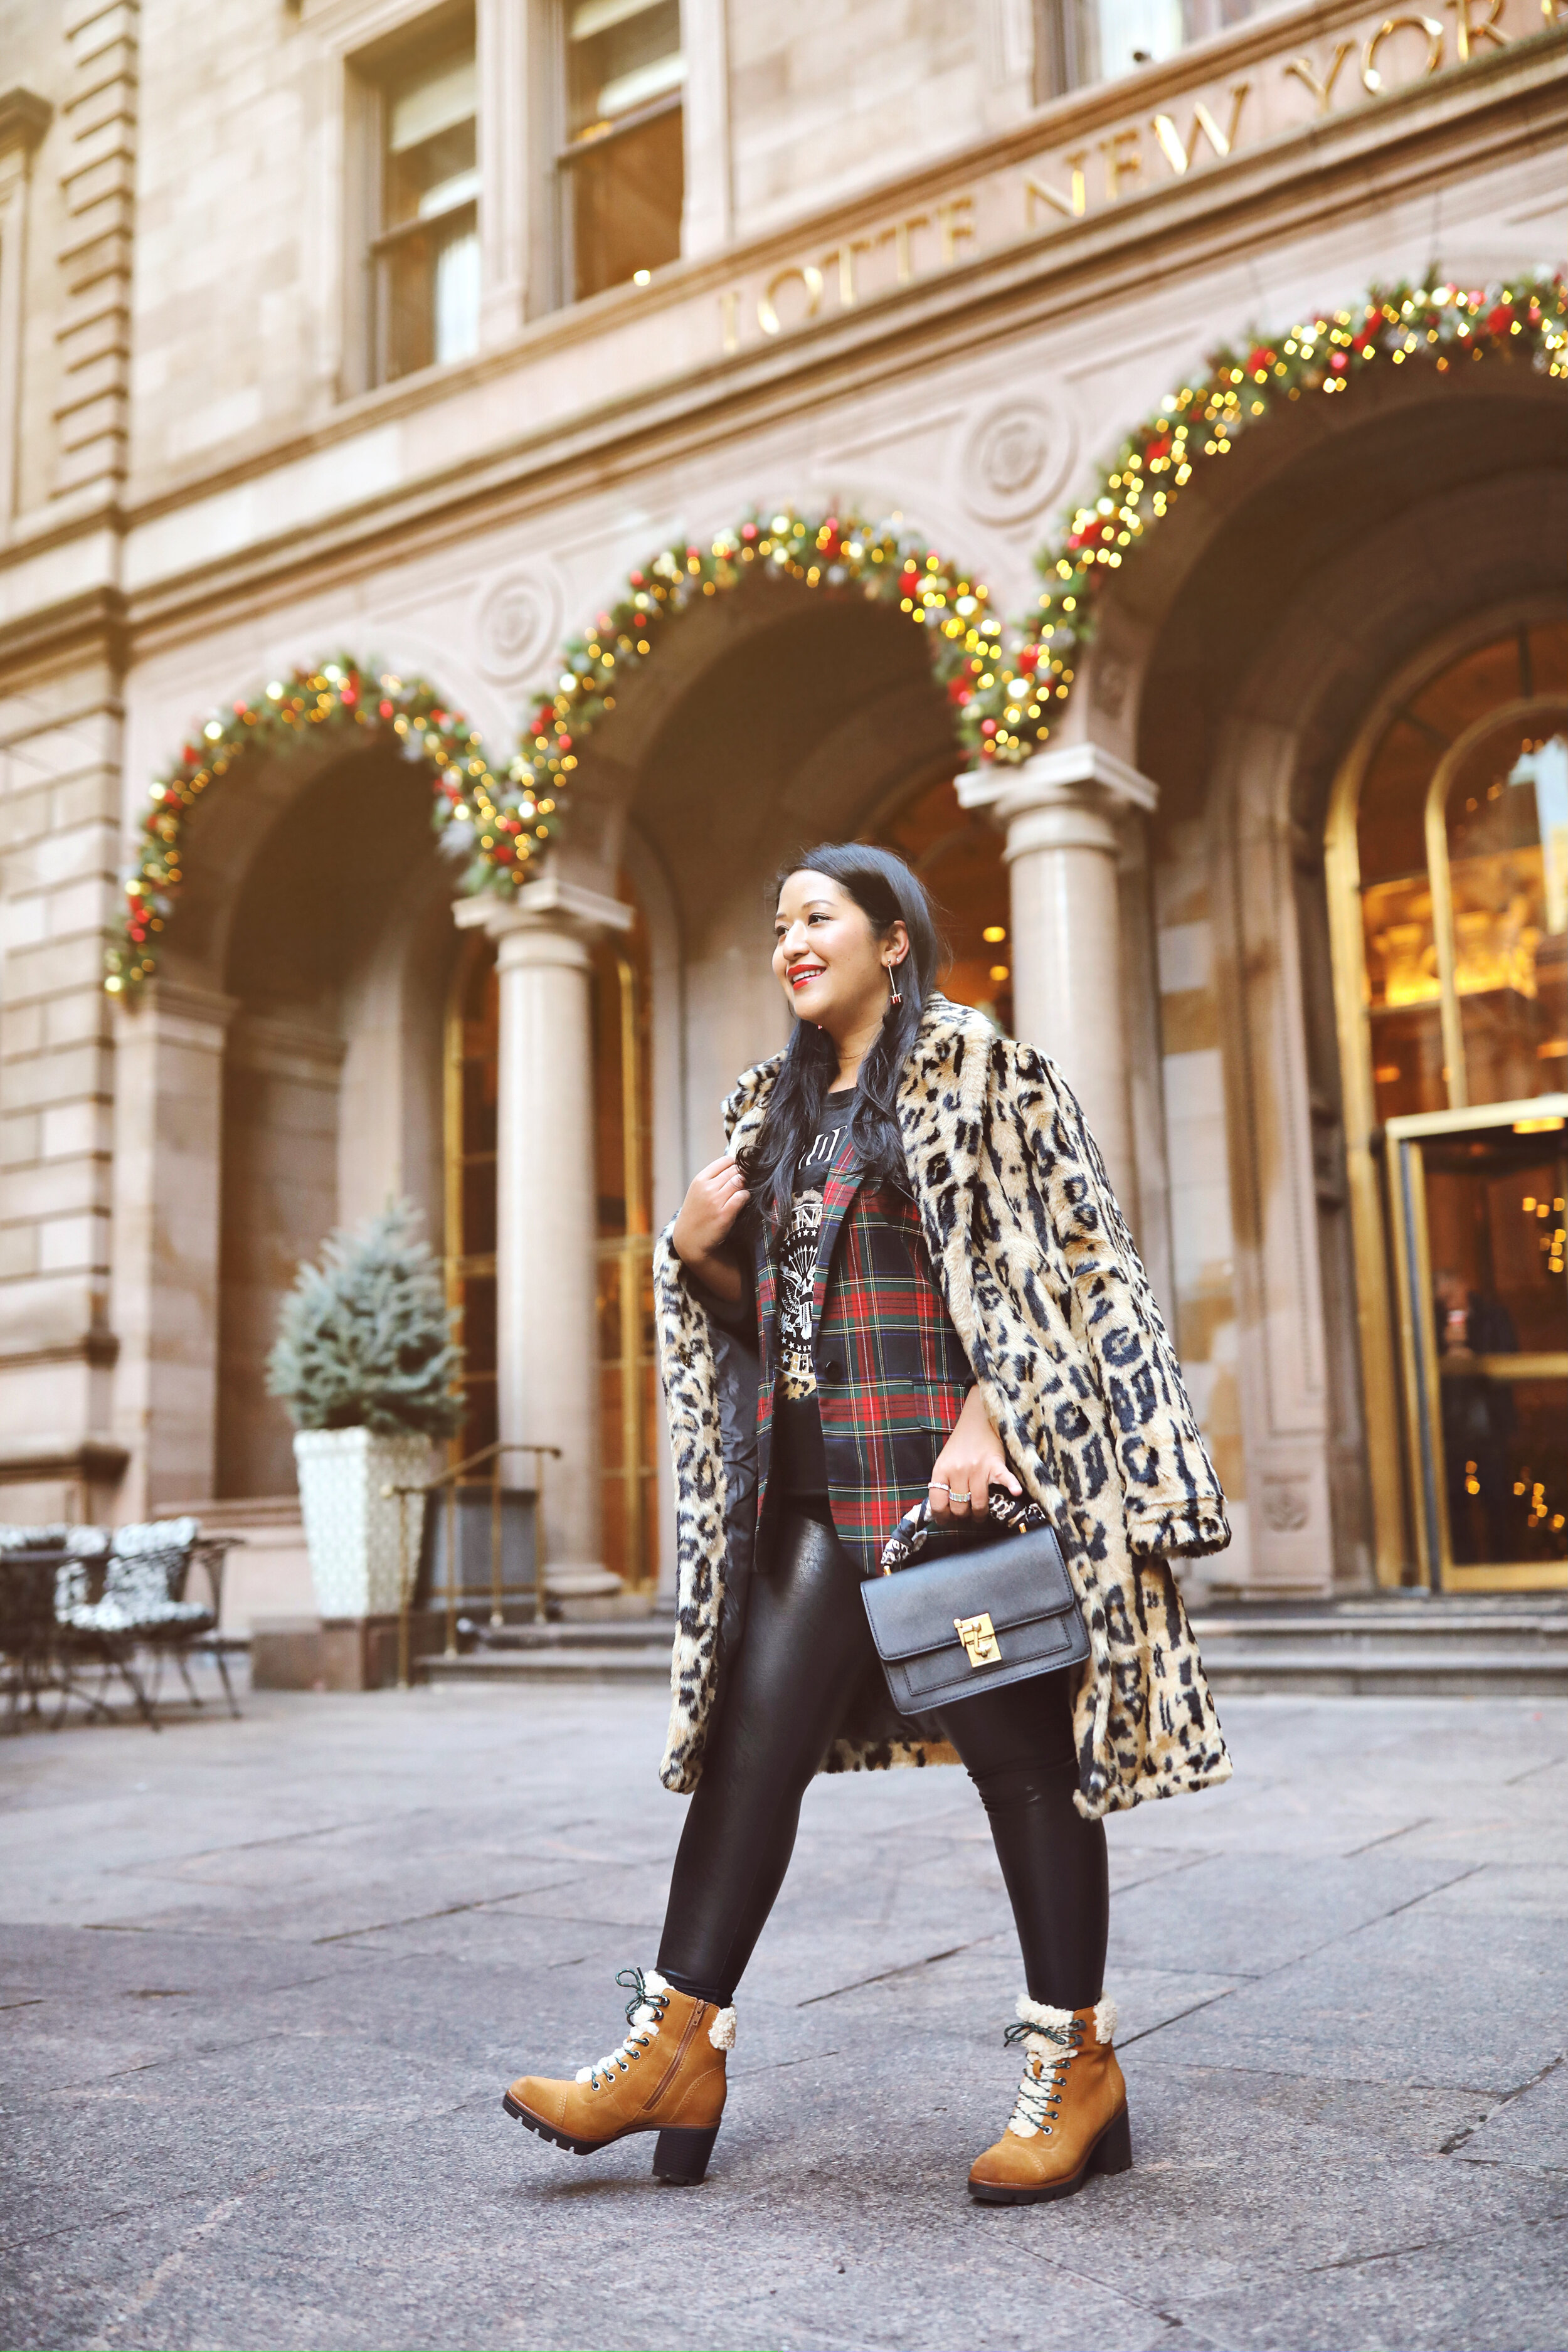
(800, 1465)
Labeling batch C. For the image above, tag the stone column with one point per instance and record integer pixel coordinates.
(1059, 813)
(546, 1204)
(168, 1139)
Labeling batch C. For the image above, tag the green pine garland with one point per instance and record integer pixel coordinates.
(847, 553)
(336, 697)
(1004, 692)
(1524, 322)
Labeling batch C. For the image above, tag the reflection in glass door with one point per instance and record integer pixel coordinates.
(1480, 1221)
(1446, 861)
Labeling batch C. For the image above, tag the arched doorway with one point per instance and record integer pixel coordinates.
(1447, 855)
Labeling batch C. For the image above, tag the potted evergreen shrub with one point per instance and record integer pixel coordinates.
(366, 1365)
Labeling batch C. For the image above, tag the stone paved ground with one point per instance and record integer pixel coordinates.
(262, 1982)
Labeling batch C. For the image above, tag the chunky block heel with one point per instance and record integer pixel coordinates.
(1113, 2150)
(680, 2157)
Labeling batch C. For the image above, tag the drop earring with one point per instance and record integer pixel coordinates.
(894, 997)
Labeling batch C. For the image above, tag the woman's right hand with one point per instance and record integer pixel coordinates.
(714, 1198)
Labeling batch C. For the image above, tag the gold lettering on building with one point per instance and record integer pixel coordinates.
(810, 278)
(1469, 29)
(1367, 59)
(849, 292)
(1074, 205)
(1323, 91)
(954, 221)
(901, 233)
(1119, 166)
(1370, 73)
(1179, 156)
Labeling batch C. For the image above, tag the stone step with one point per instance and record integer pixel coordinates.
(1473, 1634)
(1432, 1671)
(605, 1634)
(601, 1663)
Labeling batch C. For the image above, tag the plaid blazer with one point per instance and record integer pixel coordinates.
(891, 1373)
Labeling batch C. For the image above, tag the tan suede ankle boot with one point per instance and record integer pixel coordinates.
(667, 2077)
(1071, 2114)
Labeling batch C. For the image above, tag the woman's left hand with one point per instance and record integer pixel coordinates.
(969, 1466)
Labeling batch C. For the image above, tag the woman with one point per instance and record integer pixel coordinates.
(913, 1229)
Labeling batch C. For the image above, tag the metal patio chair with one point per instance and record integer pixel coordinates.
(141, 1604)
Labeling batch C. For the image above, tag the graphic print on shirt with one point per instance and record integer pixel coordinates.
(797, 1263)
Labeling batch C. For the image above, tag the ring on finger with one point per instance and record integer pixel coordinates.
(956, 1495)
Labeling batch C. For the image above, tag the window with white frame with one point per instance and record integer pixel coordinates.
(1078, 42)
(425, 253)
(623, 159)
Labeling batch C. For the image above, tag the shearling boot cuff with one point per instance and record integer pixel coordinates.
(722, 2033)
(1044, 2019)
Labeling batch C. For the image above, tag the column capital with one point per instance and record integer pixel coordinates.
(1063, 775)
(179, 1014)
(547, 909)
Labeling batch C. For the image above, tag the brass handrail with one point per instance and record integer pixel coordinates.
(448, 1479)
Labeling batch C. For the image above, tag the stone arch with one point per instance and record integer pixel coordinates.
(307, 717)
(1232, 665)
(1168, 488)
(281, 1071)
(680, 614)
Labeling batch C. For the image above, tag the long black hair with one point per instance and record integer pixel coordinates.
(887, 892)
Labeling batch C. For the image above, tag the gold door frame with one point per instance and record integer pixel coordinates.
(1418, 1342)
(1392, 1527)
(630, 1255)
(475, 947)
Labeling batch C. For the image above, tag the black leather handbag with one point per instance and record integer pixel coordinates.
(974, 1611)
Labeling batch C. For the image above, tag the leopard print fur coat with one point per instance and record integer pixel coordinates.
(1079, 1377)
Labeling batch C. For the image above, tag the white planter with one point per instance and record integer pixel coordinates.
(350, 1526)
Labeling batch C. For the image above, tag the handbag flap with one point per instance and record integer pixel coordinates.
(1016, 1581)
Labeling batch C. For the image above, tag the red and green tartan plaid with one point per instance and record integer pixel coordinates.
(891, 1373)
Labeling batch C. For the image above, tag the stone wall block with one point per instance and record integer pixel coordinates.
(93, 321)
(92, 381)
(75, 1018)
(46, 967)
(84, 436)
(108, 145)
(66, 1245)
(101, 244)
(32, 1081)
(70, 1129)
(18, 1252)
(78, 1187)
(22, 1029)
(97, 186)
(110, 94)
(23, 816)
(109, 174)
(18, 1139)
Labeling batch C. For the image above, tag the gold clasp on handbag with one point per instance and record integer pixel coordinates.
(978, 1636)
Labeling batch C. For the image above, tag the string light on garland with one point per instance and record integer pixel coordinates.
(1524, 322)
(836, 553)
(336, 697)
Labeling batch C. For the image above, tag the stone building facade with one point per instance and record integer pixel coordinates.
(400, 336)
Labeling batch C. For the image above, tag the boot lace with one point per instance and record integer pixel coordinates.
(1040, 2090)
(645, 2015)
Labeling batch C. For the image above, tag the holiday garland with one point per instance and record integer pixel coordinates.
(1009, 715)
(337, 697)
(845, 552)
(1001, 707)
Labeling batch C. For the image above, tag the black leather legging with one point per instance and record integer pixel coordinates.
(806, 1644)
